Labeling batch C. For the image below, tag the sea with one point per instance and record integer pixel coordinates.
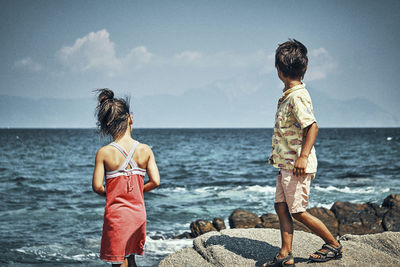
(49, 215)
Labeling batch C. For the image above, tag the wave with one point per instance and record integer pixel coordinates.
(60, 253)
(348, 190)
(163, 247)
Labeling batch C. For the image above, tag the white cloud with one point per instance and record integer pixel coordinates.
(188, 57)
(97, 51)
(139, 56)
(320, 64)
(222, 60)
(28, 64)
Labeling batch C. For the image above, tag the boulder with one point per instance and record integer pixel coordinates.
(357, 219)
(269, 220)
(219, 224)
(253, 247)
(392, 202)
(183, 236)
(391, 220)
(327, 217)
(200, 227)
(243, 219)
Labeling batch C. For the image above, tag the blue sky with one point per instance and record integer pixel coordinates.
(65, 49)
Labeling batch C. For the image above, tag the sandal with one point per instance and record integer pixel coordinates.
(276, 262)
(327, 253)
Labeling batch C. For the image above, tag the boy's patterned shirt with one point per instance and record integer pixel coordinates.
(294, 113)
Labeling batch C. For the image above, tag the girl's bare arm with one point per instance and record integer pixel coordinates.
(98, 174)
(152, 172)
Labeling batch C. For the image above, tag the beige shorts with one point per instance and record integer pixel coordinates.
(293, 190)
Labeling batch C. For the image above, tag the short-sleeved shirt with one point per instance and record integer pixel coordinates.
(294, 113)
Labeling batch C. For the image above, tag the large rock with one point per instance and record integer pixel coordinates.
(184, 235)
(391, 220)
(253, 247)
(392, 202)
(327, 217)
(219, 224)
(187, 257)
(243, 219)
(200, 227)
(270, 220)
(357, 219)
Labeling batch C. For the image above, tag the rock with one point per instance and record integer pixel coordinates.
(187, 257)
(391, 220)
(327, 217)
(379, 211)
(269, 220)
(357, 219)
(253, 247)
(200, 227)
(183, 236)
(392, 202)
(243, 219)
(219, 224)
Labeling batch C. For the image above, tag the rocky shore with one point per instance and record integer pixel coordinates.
(343, 218)
(254, 247)
(370, 234)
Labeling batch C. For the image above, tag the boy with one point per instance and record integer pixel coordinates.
(293, 153)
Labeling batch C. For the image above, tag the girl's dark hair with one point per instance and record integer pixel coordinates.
(291, 59)
(112, 113)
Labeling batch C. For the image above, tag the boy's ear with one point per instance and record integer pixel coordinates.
(130, 119)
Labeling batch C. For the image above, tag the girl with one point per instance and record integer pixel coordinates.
(123, 163)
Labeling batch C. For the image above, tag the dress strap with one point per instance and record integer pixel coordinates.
(120, 148)
(131, 162)
(128, 159)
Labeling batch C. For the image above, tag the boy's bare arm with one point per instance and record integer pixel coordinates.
(301, 163)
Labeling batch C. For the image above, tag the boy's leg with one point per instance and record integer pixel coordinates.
(286, 228)
(317, 227)
(285, 220)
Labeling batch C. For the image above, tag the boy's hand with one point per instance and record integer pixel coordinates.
(300, 166)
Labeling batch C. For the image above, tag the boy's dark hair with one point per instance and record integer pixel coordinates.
(291, 59)
(112, 113)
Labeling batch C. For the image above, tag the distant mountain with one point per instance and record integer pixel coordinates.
(22, 112)
(213, 106)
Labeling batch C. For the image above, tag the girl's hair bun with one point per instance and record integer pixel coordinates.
(105, 95)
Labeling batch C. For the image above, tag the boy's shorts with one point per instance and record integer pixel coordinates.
(293, 190)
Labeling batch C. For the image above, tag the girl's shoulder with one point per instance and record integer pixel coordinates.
(143, 148)
(105, 150)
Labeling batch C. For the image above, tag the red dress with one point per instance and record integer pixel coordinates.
(124, 228)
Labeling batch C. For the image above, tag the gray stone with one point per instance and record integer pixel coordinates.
(253, 247)
(187, 257)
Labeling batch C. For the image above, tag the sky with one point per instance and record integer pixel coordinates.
(66, 49)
